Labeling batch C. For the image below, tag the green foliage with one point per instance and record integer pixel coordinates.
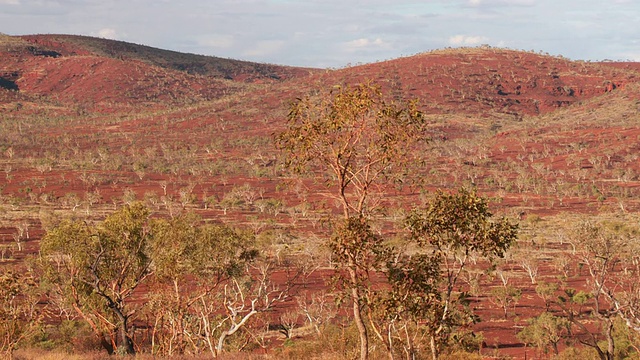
(466, 341)
(576, 353)
(461, 355)
(357, 248)
(94, 270)
(359, 252)
(109, 259)
(97, 268)
(203, 277)
(334, 342)
(609, 253)
(350, 123)
(424, 286)
(416, 283)
(574, 297)
(238, 197)
(356, 135)
(546, 291)
(505, 296)
(545, 332)
(67, 335)
(183, 247)
(626, 341)
(461, 222)
(364, 143)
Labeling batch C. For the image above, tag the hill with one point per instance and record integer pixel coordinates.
(91, 124)
(88, 71)
(478, 81)
(495, 113)
(190, 63)
(482, 80)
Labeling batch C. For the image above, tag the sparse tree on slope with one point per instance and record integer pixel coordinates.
(449, 231)
(363, 143)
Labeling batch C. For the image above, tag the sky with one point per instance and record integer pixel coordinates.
(340, 33)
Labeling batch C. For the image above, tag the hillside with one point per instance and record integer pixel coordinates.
(91, 71)
(190, 63)
(89, 125)
(482, 80)
(474, 81)
(496, 115)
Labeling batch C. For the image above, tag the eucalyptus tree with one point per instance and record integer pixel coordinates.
(450, 231)
(97, 268)
(361, 143)
(199, 271)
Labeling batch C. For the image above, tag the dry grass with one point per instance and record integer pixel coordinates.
(34, 354)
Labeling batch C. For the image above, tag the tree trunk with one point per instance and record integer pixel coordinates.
(220, 344)
(410, 350)
(106, 344)
(179, 329)
(610, 341)
(357, 316)
(125, 343)
(103, 340)
(233, 329)
(434, 351)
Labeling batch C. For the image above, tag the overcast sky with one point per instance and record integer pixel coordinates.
(335, 33)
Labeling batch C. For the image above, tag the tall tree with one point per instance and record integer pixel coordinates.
(97, 268)
(361, 140)
(363, 143)
(450, 231)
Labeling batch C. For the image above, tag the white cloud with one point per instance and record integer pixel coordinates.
(332, 33)
(493, 3)
(107, 33)
(264, 48)
(216, 41)
(466, 40)
(365, 44)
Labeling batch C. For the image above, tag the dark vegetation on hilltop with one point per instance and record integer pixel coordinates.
(106, 143)
(70, 45)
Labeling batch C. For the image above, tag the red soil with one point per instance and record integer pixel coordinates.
(497, 114)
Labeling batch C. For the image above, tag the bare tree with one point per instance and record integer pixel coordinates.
(211, 283)
(609, 253)
(318, 310)
(20, 315)
(243, 301)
